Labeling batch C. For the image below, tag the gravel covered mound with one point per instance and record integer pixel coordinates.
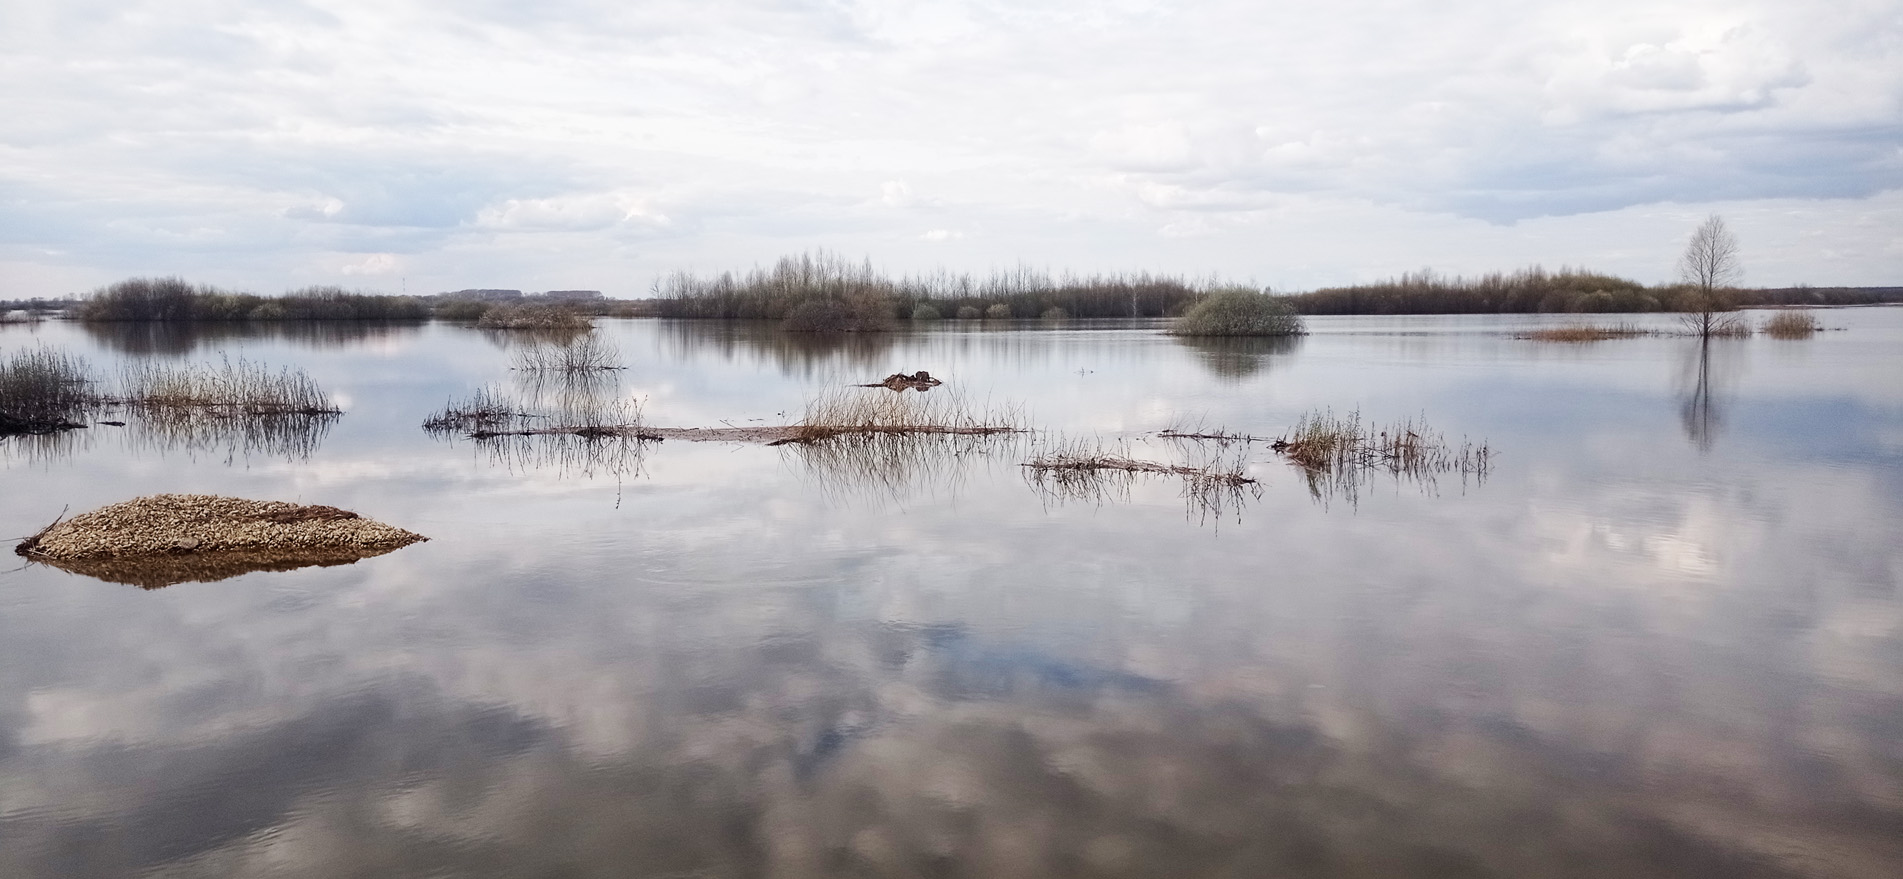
(170, 524)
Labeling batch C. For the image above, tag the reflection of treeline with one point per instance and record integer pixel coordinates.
(1536, 290)
(172, 338)
(821, 291)
(173, 299)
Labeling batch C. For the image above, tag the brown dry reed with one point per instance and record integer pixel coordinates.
(490, 412)
(1338, 453)
(44, 390)
(230, 388)
(1792, 325)
(1585, 333)
(865, 412)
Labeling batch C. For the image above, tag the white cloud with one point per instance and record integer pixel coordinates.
(374, 264)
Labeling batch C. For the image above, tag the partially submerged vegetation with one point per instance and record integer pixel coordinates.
(1239, 311)
(1086, 470)
(1792, 325)
(1337, 453)
(1586, 333)
(1325, 441)
(43, 390)
(850, 413)
(240, 406)
(142, 540)
(490, 413)
(230, 388)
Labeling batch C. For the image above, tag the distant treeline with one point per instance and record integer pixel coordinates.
(1819, 296)
(822, 291)
(173, 299)
(1535, 291)
(1526, 291)
(148, 300)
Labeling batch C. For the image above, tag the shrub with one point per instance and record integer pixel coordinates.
(1239, 311)
(925, 312)
(1000, 311)
(1055, 314)
(1791, 325)
(969, 312)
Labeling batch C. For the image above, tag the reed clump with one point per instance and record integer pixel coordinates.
(584, 353)
(858, 412)
(1792, 325)
(1239, 311)
(532, 317)
(43, 390)
(1586, 333)
(490, 413)
(237, 388)
(1324, 441)
(584, 432)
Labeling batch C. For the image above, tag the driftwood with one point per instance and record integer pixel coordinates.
(899, 381)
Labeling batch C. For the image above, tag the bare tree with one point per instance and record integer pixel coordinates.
(1710, 266)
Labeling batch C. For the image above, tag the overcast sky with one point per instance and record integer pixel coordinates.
(421, 145)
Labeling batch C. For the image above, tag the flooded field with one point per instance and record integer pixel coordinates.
(1658, 633)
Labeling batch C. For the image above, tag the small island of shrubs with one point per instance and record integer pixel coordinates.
(1239, 311)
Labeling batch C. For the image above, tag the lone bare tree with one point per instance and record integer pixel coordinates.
(1710, 266)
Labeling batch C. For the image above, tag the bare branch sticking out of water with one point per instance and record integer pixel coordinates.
(1083, 470)
(1200, 430)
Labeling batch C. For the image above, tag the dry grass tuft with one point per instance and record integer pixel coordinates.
(1792, 325)
(490, 413)
(862, 412)
(43, 390)
(1326, 441)
(232, 388)
(1585, 333)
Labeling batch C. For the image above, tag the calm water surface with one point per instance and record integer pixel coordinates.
(1663, 637)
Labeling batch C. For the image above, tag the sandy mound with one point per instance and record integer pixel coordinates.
(159, 571)
(171, 524)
